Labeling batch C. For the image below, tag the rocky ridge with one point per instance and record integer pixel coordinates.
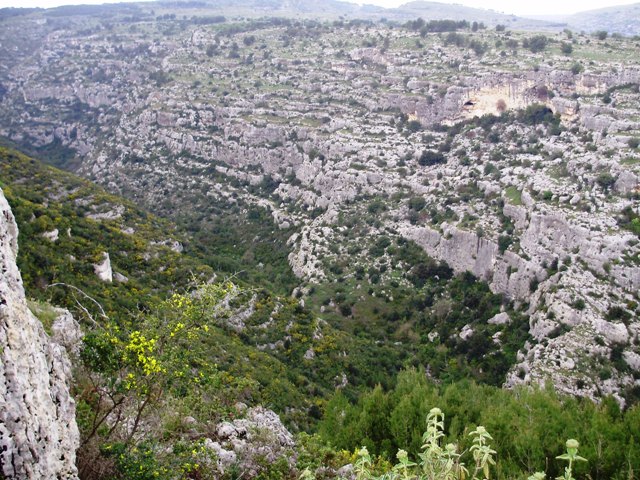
(340, 122)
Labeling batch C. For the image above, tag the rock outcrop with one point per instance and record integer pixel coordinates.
(252, 442)
(38, 431)
(103, 269)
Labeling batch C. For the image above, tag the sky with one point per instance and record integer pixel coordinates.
(517, 7)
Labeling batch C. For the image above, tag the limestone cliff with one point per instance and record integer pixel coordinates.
(38, 431)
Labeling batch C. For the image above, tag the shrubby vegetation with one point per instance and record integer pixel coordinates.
(138, 376)
(420, 25)
(162, 350)
(529, 426)
(536, 43)
(630, 220)
(51, 200)
(61, 272)
(439, 461)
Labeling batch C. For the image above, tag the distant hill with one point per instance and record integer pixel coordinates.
(333, 9)
(623, 19)
(441, 11)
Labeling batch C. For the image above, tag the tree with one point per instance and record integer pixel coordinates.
(431, 157)
(605, 180)
(536, 44)
(417, 203)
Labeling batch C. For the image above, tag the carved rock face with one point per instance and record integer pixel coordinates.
(38, 431)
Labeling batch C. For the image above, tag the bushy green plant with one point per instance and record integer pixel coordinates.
(131, 372)
(438, 460)
(529, 427)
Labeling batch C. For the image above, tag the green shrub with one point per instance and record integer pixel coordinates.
(529, 426)
(442, 459)
(577, 68)
(536, 43)
(431, 157)
(605, 180)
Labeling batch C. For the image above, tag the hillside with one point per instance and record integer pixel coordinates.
(80, 245)
(69, 228)
(620, 19)
(188, 418)
(445, 11)
(278, 214)
(319, 150)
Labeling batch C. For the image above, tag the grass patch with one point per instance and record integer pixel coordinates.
(630, 161)
(514, 195)
(46, 313)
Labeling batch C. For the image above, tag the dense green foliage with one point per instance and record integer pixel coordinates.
(439, 26)
(130, 374)
(429, 158)
(630, 220)
(536, 43)
(414, 308)
(243, 242)
(440, 461)
(529, 427)
(372, 329)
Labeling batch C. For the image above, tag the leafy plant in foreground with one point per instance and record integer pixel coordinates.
(134, 375)
(438, 462)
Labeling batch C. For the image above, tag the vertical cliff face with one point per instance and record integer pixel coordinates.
(38, 431)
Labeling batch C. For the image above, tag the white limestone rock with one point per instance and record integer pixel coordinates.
(66, 331)
(466, 332)
(500, 319)
(250, 441)
(120, 278)
(626, 182)
(38, 431)
(52, 236)
(632, 359)
(103, 269)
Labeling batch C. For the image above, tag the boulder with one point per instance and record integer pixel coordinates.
(103, 269)
(251, 441)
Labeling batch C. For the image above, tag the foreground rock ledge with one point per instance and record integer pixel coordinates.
(38, 431)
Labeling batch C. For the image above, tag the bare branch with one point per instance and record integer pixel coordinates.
(102, 313)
